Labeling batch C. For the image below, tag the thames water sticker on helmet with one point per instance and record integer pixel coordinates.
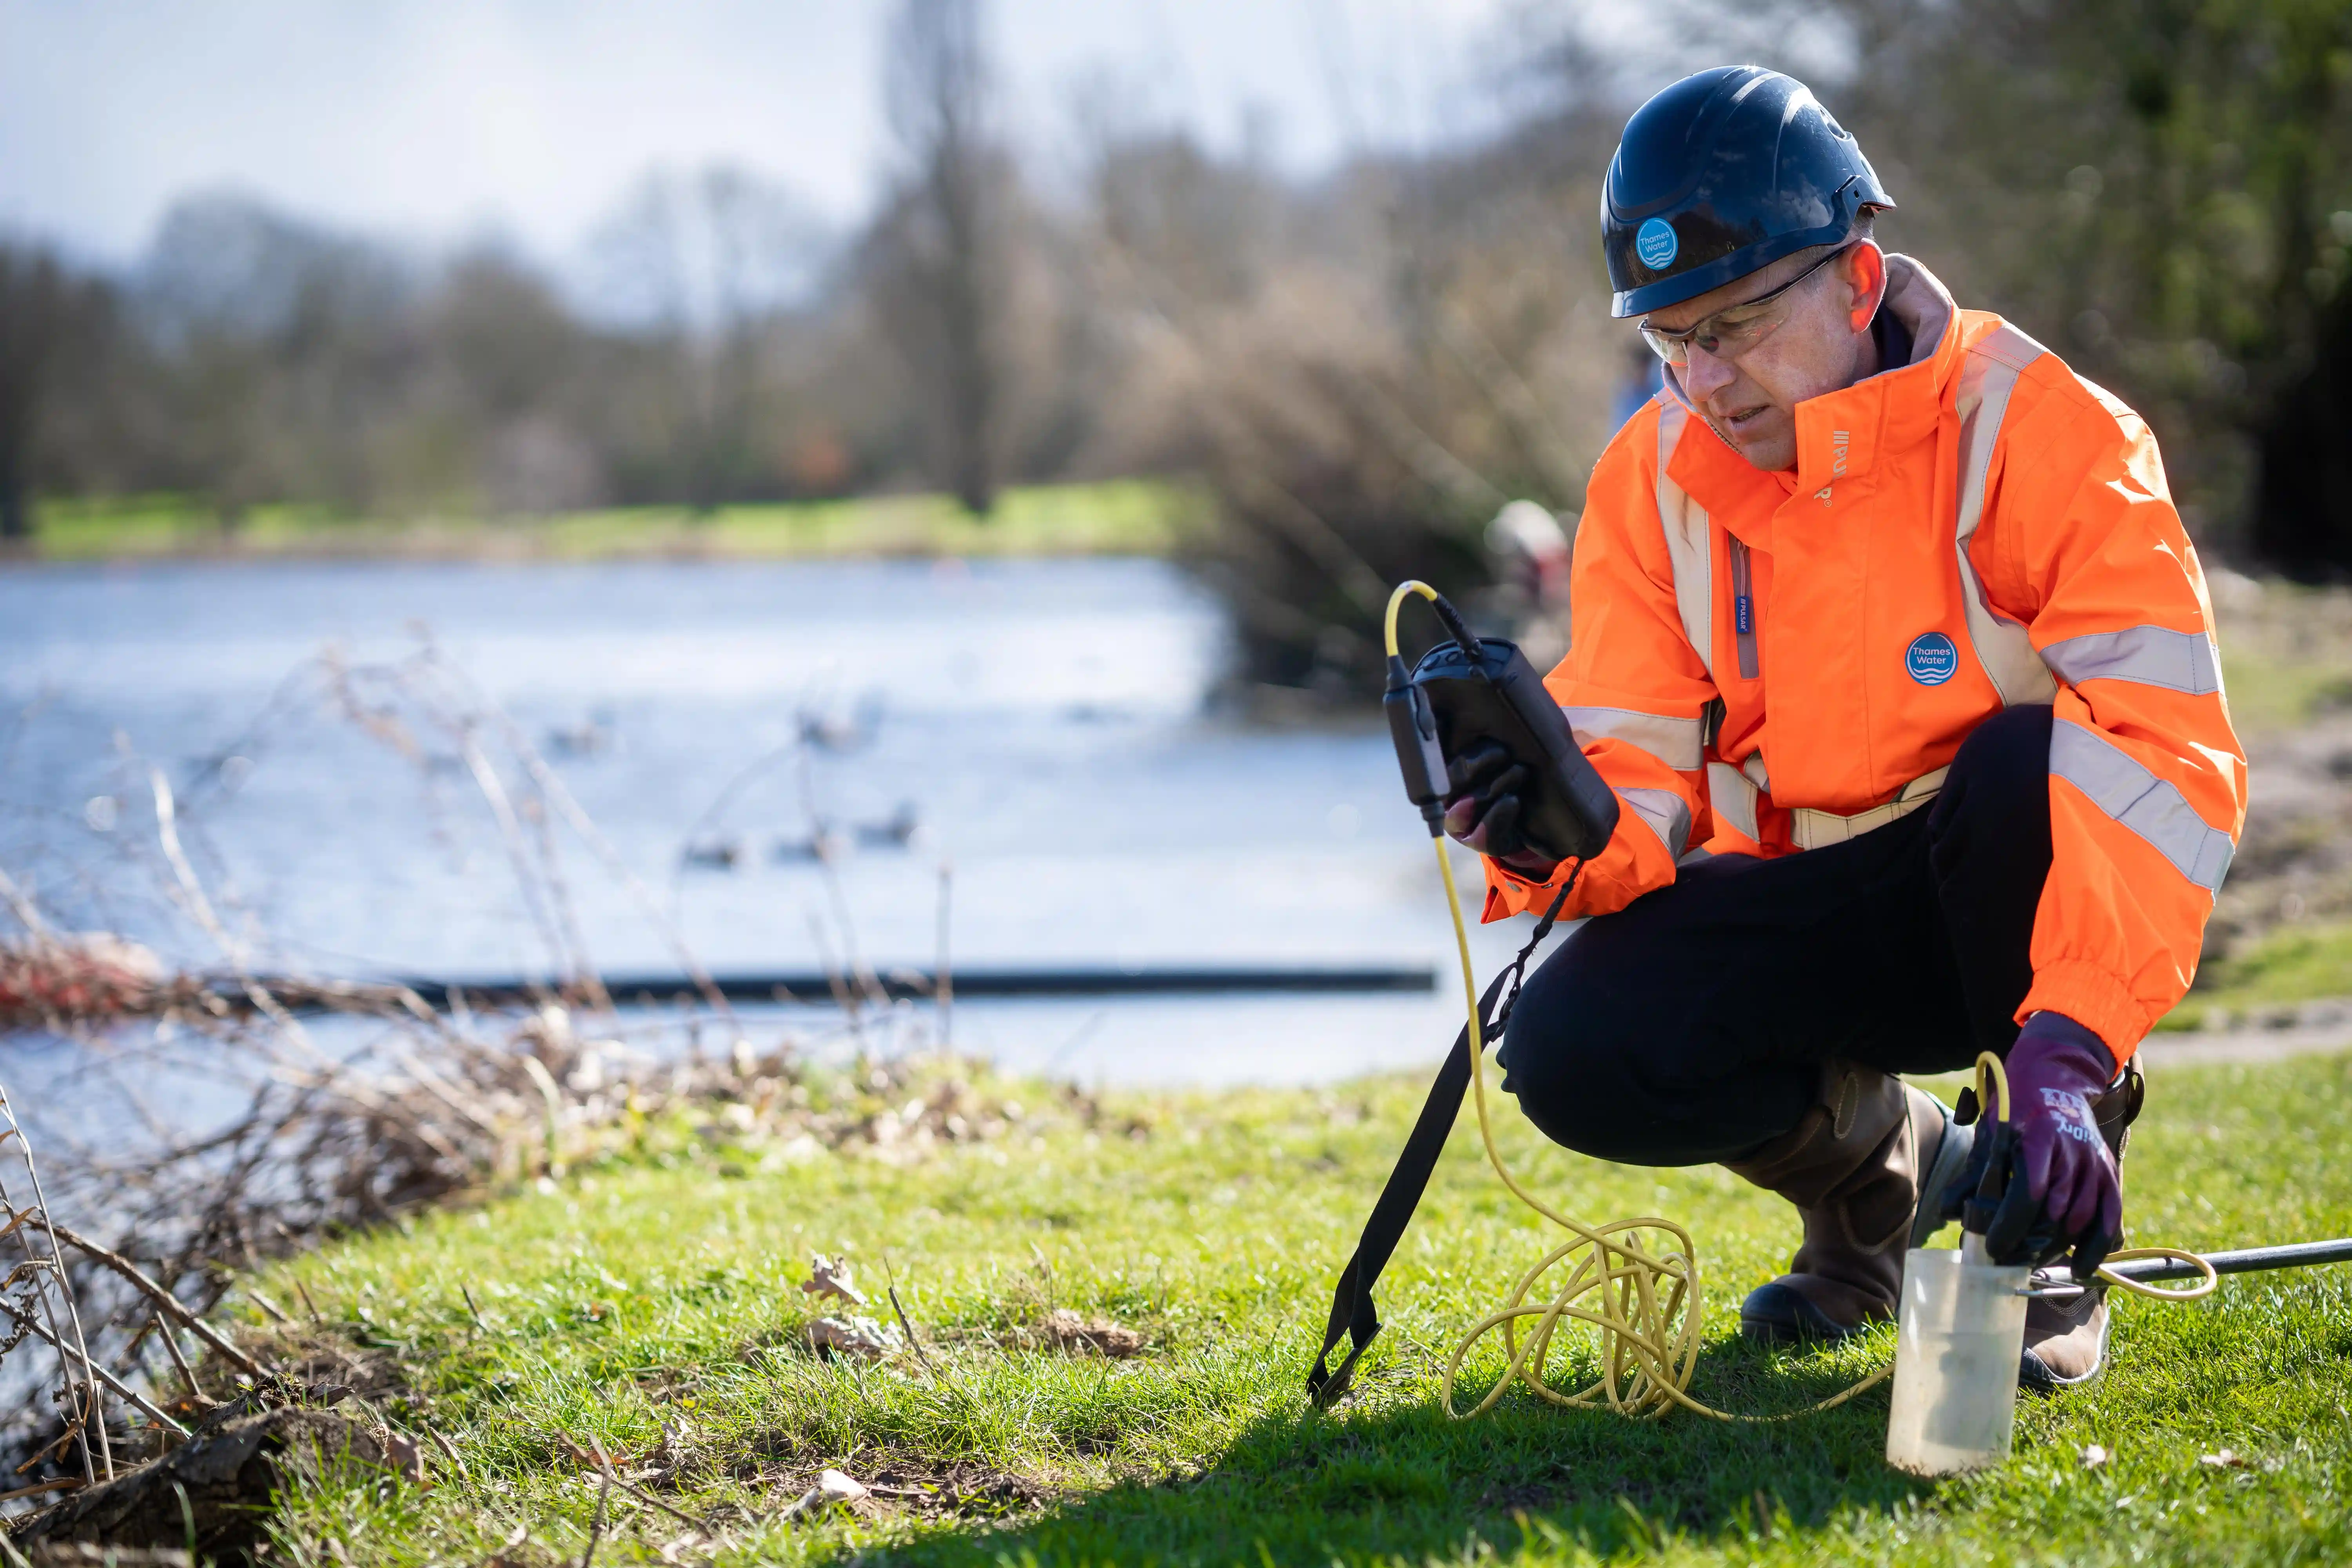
(1931, 658)
(1655, 243)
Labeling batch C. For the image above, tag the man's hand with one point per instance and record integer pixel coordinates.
(1484, 806)
(2074, 1197)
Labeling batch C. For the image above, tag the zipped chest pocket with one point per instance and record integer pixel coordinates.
(1743, 606)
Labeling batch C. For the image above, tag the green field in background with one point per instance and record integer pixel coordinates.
(2275, 972)
(1113, 517)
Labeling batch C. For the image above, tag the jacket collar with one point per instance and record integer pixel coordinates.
(1840, 435)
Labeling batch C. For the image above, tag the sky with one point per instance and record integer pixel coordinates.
(438, 122)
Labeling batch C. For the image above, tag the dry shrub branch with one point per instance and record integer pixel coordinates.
(197, 1121)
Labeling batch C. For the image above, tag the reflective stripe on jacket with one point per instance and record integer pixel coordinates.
(1765, 663)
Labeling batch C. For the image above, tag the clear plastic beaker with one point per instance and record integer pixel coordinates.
(1961, 1328)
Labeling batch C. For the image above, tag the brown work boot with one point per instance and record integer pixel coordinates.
(1855, 1165)
(2067, 1340)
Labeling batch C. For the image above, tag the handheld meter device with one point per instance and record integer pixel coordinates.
(1472, 688)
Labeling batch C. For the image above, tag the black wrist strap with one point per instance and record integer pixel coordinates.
(1353, 1316)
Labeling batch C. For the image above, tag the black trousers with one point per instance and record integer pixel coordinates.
(1687, 1027)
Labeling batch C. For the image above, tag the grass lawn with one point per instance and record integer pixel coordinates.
(2290, 965)
(1124, 517)
(657, 1293)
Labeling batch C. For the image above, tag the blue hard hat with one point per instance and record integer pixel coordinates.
(1721, 174)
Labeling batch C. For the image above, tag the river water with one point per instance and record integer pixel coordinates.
(1048, 727)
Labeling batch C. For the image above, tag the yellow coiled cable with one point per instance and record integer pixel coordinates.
(1642, 1275)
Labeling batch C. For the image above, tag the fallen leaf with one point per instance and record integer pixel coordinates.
(2094, 1455)
(402, 1453)
(586, 1458)
(1070, 1332)
(852, 1336)
(828, 1277)
(833, 1487)
(2227, 1460)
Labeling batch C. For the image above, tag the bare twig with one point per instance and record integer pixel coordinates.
(911, 1338)
(22, 906)
(213, 1338)
(200, 909)
(440, 1088)
(551, 788)
(172, 1348)
(943, 977)
(867, 983)
(848, 1000)
(61, 1441)
(95, 1415)
(604, 1497)
(494, 793)
(647, 1497)
(551, 1094)
(137, 1399)
(131, 1351)
(39, 1487)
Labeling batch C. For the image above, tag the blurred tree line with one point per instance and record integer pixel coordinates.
(1362, 367)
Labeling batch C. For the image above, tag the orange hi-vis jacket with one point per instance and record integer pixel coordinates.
(1765, 663)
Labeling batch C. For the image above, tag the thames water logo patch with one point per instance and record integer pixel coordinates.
(1931, 658)
(1655, 243)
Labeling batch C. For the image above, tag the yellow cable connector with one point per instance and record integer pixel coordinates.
(1396, 602)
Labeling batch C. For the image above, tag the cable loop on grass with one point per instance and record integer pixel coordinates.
(1645, 1311)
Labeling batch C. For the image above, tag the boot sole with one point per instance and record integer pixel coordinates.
(2033, 1374)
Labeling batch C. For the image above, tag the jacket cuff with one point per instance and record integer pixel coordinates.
(2094, 998)
(1510, 893)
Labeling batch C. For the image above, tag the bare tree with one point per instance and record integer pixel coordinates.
(287, 347)
(36, 301)
(937, 249)
(703, 263)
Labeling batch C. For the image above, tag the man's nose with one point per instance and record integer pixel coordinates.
(1704, 375)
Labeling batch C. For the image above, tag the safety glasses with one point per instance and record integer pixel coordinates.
(1734, 330)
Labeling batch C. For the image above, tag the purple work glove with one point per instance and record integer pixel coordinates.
(2057, 1069)
(1484, 805)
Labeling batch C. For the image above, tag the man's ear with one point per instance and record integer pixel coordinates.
(1866, 275)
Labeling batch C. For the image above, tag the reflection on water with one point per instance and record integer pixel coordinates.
(1043, 725)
